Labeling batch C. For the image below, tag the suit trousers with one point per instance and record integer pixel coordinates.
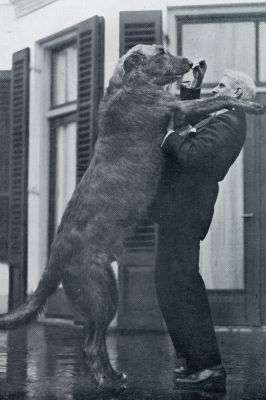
(183, 299)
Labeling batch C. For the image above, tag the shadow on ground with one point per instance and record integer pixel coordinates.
(44, 362)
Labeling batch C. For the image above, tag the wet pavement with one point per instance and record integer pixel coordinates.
(44, 362)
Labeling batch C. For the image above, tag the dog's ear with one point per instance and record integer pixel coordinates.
(133, 60)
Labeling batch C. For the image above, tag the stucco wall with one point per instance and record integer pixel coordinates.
(17, 33)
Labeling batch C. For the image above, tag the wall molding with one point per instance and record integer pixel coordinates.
(24, 7)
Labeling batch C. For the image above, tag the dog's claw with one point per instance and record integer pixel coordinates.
(121, 377)
(124, 376)
(254, 108)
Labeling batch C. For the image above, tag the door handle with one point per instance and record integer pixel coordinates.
(247, 215)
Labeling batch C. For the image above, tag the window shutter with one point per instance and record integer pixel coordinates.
(19, 137)
(138, 307)
(139, 27)
(90, 87)
(4, 161)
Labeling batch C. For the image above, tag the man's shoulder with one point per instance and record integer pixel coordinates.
(232, 114)
(232, 117)
(229, 122)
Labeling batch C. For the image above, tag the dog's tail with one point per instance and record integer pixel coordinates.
(35, 303)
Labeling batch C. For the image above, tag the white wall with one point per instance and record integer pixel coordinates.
(24, 31)
(17, 33)
(4, 279)
(6, 17)
(6, 34)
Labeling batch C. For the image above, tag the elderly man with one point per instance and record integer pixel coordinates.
(196, 159)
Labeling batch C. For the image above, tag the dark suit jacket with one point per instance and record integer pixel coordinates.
(193, 167)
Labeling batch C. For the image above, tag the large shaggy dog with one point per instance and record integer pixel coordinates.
(114, 194)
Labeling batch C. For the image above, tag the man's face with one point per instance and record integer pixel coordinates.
(225, 88)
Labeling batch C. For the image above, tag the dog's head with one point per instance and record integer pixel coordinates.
(152, 63)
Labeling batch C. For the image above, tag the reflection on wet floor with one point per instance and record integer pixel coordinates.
(44, 362)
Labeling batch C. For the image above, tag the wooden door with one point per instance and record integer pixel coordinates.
(235, 298)
(242, 306)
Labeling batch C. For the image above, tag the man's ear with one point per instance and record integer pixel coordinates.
(238, 93)
(133, 60)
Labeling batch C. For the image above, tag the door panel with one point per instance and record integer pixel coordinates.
(261, 122)
(231, 255)
(222, 251)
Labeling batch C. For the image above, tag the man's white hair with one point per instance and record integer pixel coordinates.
(243, 81)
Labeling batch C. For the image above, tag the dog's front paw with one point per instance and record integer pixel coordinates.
(254, 108)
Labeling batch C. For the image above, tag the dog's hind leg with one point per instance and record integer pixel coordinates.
(112, 373)
(92, 353)
(93, 291)
(97, 359)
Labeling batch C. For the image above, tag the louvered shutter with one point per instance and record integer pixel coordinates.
(5, 77)
(90, 87)
(19, 137)
(138, 307)
(139, 27)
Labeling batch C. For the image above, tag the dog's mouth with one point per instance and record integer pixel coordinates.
(170, 78)
(170, 87)
(173, 76)
(176, 77)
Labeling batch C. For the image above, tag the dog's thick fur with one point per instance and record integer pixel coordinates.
(114, 194)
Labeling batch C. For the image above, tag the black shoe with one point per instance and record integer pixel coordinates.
(211, 380)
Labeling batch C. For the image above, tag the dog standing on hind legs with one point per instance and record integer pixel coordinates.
(114, 194)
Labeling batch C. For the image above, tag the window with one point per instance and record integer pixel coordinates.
(63, 130)
(222, 45)
(262, 52)
(65, 142)
(64, 75)
(235, 42)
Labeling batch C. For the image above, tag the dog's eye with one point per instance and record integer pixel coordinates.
(161, 50)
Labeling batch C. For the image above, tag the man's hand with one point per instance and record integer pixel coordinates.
(198, 73)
